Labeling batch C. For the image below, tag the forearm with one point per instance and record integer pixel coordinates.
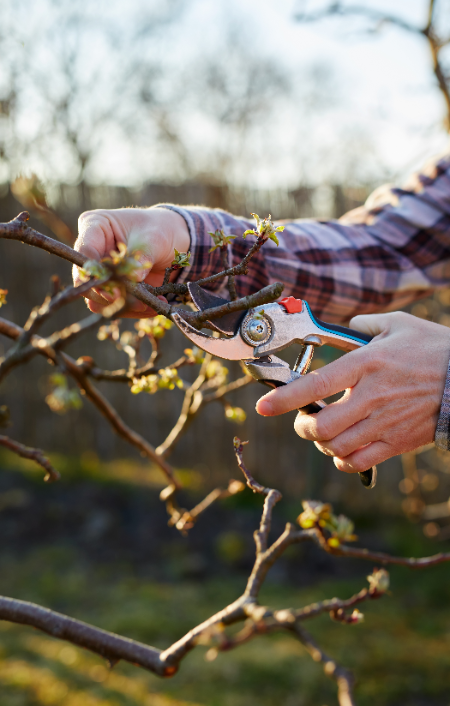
(377, 258)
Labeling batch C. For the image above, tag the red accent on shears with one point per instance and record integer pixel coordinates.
(292, 305)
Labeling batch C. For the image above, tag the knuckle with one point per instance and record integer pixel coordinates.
(94, 217)
(299, 425)
(377, 359)
(400, 317)
(86, 215)
(323, 429)
(302, 426)
(320, 384)
(337, 448)
(356, 465)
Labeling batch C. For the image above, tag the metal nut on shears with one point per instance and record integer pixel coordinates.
(256, 329)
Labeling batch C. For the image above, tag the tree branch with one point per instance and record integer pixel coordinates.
(18, 230)
(105, 408)
(343, 677)
(32, 454)
(435, 43)
(226, 266)
(380, 557)
(187, 520)
(106, 644)
(262, 619)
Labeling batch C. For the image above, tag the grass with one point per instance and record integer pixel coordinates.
(400, 654)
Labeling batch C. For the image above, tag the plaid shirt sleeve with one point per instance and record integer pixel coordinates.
(379, 257)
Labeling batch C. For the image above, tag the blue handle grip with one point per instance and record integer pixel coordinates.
(349, 333)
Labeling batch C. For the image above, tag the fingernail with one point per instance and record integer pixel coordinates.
(264, 408)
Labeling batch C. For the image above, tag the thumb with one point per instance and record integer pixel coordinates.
(143, 251)
(144, 259)
(372, 324)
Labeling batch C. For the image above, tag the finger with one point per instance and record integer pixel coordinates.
(353, 438)
(95, 307)
(372, 324)
(326, 381)
(93, 295)
(334, 419)
(138, 311)
(364, 458)
(95, 239)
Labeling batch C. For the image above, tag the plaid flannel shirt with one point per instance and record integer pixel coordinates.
(379, 257)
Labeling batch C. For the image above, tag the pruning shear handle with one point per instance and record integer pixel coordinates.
(255, 335)
(274, 372)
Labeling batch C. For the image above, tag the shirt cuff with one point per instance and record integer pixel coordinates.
(442, 436)
(202, 263)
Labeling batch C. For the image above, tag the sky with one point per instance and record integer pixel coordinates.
(384, 82)
(383, 117)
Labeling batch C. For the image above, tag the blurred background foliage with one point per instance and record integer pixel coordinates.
(244, 107)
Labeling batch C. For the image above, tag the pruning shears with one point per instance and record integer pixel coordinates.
(253, 336)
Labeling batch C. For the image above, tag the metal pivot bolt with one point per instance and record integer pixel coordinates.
(256, 330)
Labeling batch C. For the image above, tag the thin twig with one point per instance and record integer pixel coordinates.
(262, 619)
(192, 395)
(435, 43)
(251, 482)
(18, 230)
(105, 408)
(333, 605)
(189, 517)
(23, 350)
(229, 387)
(231, 285)
(379, 557)
(263, 296)
(70, 333)
(343, 677)
(36, 455)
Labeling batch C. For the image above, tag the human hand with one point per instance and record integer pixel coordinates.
(155, 232)
(393, 392)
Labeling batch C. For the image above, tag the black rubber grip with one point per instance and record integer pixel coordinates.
(349, 332)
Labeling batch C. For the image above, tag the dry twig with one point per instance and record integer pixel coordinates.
(33, 455)
(258, 619)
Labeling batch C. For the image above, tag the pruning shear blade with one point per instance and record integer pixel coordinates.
(233, 348)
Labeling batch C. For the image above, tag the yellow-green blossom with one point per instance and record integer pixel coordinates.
(181, 259)
(169, 379)
(220, 239)
(62, 398)
(93, 268)
(314, 513)
(109, 331)
(165, 379)
(379, 581)
(264, 229)
(235, 414)
(216, 370)
(120, 262)
(156, 327)
(341, 529)
(146, 383)
(356, 617)
(194, 355)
